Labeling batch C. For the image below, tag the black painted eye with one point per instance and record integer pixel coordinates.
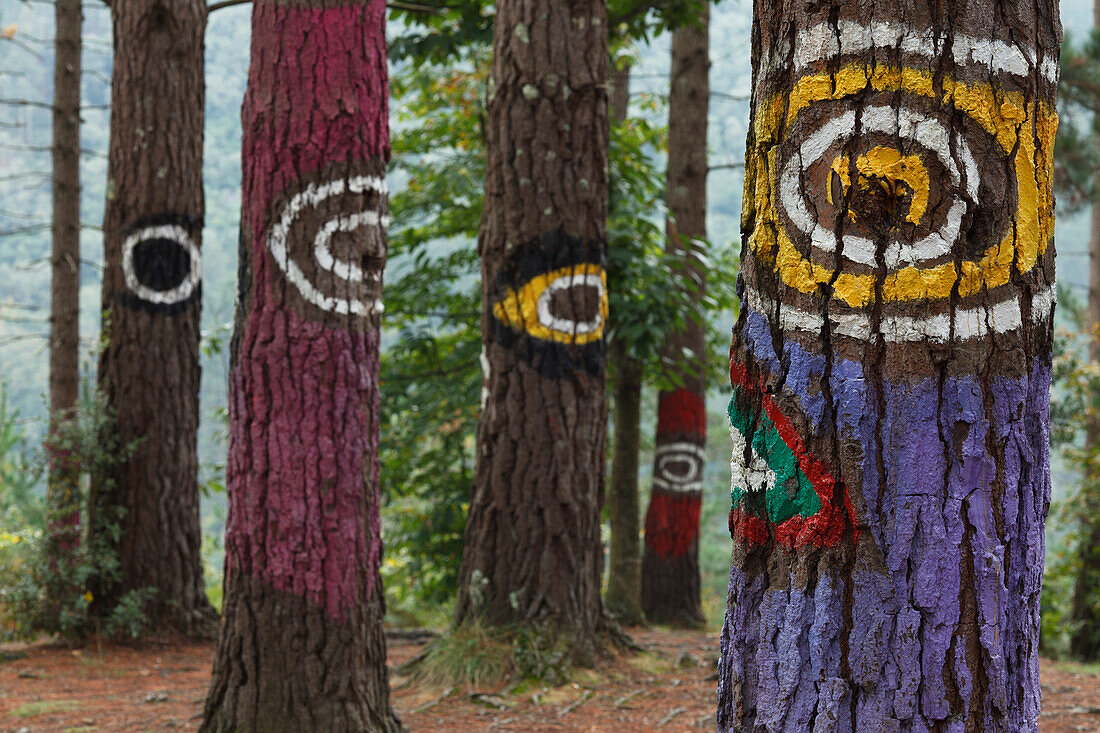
(161, 264)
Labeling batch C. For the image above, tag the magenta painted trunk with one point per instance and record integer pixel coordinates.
(303, 471)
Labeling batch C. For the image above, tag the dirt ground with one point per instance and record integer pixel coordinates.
(160, 687)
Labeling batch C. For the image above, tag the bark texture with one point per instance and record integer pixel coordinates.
(670, 566)
(63, 499)
(1085, 642)
(301, 647)
(624, 581)
(532, 550)
(891, 369)
(149, 367)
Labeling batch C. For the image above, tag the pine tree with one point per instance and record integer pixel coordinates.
(891, 369)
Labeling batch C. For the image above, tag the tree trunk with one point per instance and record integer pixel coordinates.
(624, 577)
(624, 582)
(301, 647)
(670, 566)
(149, 366)
(1085, 641)
(891, 370)
(63, 487)
(532, 553)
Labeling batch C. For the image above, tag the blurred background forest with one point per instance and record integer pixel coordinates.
(431, 377)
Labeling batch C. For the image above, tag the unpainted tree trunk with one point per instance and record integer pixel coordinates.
(302, 647)
(624, 581)
(63, 490)
(1085, 641)
(532, 552)
(891, 369)
(670, 565)
(149, 365)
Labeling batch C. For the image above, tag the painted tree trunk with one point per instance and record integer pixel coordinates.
(302, 646)
(532, 552)
(63, 488)
(149, 366)
(624, 572)
(670, 565)
(891, 370)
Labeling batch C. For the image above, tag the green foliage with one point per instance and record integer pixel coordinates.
(476, 655)
(440, 31)
(1077, 146)
(1073, 556)
(47, 590)
(431, 379)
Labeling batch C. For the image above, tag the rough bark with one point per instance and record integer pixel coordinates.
(624, 582)
(149, 366)
(301, 647)
(532, 551)
(1085, 641)
(63, 490)
(891, 387)
(670, 567)
(624, 576)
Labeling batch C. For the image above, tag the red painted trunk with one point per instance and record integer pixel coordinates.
(302, 647)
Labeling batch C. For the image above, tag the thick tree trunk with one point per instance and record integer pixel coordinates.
(64, 499)
(149, 366)
(624, 582)
(1085, 641)
(532, 550)
(670, 567)
(301, 647)
(891, 370)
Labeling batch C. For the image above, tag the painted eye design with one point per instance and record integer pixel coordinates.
(567, 305)
(550, 304)
(886, 182)
(328, 239)
(679, 467)
(161, 265)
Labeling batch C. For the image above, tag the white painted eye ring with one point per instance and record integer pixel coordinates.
(668, 456)
(908, 124)
(165, 232)
(311, 197)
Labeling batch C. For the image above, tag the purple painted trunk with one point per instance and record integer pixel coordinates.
(891, 371)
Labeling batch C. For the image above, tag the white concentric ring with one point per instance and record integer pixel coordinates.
(969, 323)
(311, 197)
(906, 124)
(172, 233)
(825, 41)
(671, 455)
(565, 325)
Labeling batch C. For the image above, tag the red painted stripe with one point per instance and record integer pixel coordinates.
(672, 523)
(827, 526)
(681, 411)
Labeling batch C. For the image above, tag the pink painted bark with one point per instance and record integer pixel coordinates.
(302, 647)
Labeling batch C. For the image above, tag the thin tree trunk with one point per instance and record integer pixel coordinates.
(532, 553)
(670, 566)
(301, 647)
(1085, 641)
(624, 582)
(891, 370)
(64, 497)
(149, 366)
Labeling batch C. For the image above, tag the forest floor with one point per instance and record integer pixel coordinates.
(670, 687)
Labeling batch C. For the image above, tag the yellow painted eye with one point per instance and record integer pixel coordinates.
(890, 169)
(567, 305)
